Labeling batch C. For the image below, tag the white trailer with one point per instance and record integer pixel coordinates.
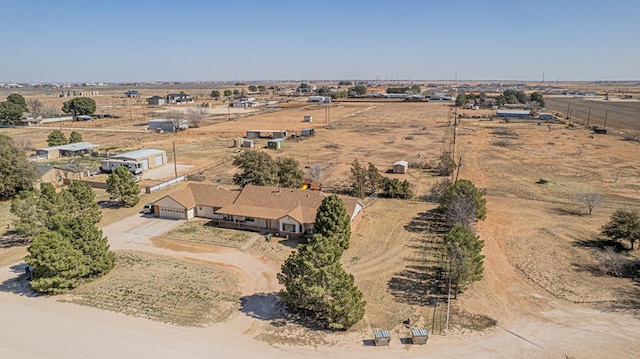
(111, 164)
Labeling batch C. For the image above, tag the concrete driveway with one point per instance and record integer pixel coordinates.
(134, 232)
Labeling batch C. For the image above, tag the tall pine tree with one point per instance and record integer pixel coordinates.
(333, 221)
(463, 250)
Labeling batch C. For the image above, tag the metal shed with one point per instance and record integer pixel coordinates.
(305, 132)
(400, 167)
(276, 143)
(307, 119)
(545, 116)
(419, 336)
(381, 337)
(513, 113)
(150, 158)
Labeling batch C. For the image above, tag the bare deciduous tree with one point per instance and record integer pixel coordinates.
(196, 116)
(36, 107)
(589, 199)
(460, 211)
(316, 172)
(25, 144)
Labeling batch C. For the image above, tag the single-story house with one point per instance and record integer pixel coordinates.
(513, 113)
(400, 167)
(132, 93)
(71, 149)
(197, 200)
(256, 208)
(319, 99)
(149, 158)
(48, 174)
(440, 97)
(179, 98)
(276, 143)
(155, 101)
(165, 124)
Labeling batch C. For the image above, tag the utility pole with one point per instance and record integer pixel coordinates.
(589, 117)
(569, 111)
(460, 164)
(453, 144)
(175, 163)
(606, 115)
(449, 298)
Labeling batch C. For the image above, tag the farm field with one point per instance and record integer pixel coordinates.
(541, 282)
(620, 115)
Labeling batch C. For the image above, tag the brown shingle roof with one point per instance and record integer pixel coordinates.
(275, 203)
(204, 195)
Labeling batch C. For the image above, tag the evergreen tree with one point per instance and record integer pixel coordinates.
(289, 173)
(374, 179)
(317, 286)
(57, 138)
(466, 190)
(19, 100)
(122, 187)
(16, 172)
(465, 261)
(358, 179)
(57, 265)
(80, 106)
(75, 137)
(333, 221)
(393, 188)
(85, 204)
(88, 239)
(258, 168)
(10, 113)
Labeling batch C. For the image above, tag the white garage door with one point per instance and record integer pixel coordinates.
(171, 213)
(159, 160)
(145, 164)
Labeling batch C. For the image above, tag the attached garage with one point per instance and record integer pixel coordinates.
(171, 213)
(167, 207)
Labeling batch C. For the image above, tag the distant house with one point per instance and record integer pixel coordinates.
(155, 101)
(47, 174)
(179, 98)
(72, 149)
(132, 93)
(307, 119)
(545, 116)
(400, 167)
(440, 97)
(163, 124)
(86, 118)
(255, 208)
(319, 99)
(513, 113)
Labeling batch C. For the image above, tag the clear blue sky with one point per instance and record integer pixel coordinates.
(182, 40)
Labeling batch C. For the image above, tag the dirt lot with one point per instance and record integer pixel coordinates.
(541, 284)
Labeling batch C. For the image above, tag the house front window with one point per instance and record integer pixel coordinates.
(249, 219)
(286, 227)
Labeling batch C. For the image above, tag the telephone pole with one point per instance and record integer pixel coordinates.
(175, 163)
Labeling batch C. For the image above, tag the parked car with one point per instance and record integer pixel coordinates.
(148, 208)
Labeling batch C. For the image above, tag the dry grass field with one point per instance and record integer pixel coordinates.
(620, 115)
(161, 288)
(199, 231)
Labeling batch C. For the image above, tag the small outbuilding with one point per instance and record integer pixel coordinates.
(545, 116)
(247, 143)
(306, 132)
(381, 337)
(155, 101)
(164, 124)
(72, 149)
(320, 99)
(419, 336)
(276, 143)
(307, 119)
(400, 167)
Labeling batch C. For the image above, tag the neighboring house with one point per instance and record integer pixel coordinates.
(72, 171)
(132, 93)
(178, 98)
(150, 158)
(163, 124)
(319, 99)
(72, 149)
(256, 208)
(441, 97)
(155, 101)
(48, 174)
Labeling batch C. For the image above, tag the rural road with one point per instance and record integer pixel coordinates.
(37, 327)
